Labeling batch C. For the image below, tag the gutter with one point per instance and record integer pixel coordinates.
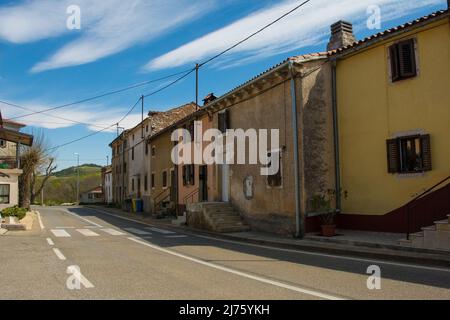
(299, 221)
(337, 168)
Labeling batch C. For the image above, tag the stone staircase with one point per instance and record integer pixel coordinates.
(216, 216)
(433, 237)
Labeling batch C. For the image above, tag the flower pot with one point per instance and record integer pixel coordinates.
(328, 230)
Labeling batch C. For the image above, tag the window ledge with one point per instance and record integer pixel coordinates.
(410, 175)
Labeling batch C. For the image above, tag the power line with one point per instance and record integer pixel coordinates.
(170, 84)
(50, 115)
(98, 131)
(254, 34)
(101, 95)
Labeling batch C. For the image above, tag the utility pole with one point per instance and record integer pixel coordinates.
(142, 116)
(78, 177)
(196, 86)
(107, 160)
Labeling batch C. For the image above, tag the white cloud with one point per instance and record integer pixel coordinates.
(107, 26)
(307, 26)
(102, 117)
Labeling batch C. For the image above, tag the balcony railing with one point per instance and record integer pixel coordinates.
(8, 162)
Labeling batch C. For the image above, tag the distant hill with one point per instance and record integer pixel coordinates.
(62, 185)
(85, 169)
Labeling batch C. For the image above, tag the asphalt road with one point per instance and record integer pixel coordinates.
(122, 259)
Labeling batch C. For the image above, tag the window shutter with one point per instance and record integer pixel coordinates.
(227, 119)
(393, 155)
(184, 175)
(192, 175)
(393, 56)
(426, 152)
(221, 120)
(407, 58)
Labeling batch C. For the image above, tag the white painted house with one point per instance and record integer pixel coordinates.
(10, 139)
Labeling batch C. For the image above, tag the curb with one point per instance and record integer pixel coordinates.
(416, 256)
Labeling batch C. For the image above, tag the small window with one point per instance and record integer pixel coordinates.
(124, 167)
(164, 179)
(146, 149)
(403, 60)
(274, 180)
(132, 184)
(188, 175)
(4, 193)
(146, 182)
(146, 128)
(409, 154)
(153, 151)
(153, 180)
(132, 153)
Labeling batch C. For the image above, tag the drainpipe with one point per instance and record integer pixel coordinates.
(336, 138)
(299, 221)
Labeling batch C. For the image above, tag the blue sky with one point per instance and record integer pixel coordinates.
(120, 43)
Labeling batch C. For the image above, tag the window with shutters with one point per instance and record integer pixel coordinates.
(153, 151)
(188, 175)
(275, 180)
(402, 56)
(410, 154)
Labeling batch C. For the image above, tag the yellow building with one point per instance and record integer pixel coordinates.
(392, 93)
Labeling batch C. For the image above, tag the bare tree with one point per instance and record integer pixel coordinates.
(35, 160)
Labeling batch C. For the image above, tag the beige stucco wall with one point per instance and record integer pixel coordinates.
(187, 194)
(14, 186)
(273, 209)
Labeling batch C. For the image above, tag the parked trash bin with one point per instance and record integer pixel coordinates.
(139, 205)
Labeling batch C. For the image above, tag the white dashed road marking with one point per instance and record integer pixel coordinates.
(60, 233)
(87, 232)
(59, 254)
(240, 273)
(50, 242)
(137, 231)
(160, 230)
(113, 232)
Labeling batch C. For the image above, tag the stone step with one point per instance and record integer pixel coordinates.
(233, 229)
(430, 228)
(405, 242)
(216, 212)
(442, 225)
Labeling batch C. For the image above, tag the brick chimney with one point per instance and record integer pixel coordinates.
(211, 97)
(341, 35)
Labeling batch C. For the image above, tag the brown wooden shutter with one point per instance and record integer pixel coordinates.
(184, 175)
(425, 145)
(221, 122)
(393, 55)
(407, 58)
(393, 155)
(192, 174)
(227, 119)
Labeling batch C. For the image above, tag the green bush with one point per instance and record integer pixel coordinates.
(15, 211)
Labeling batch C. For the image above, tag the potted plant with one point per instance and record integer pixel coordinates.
(322, 204)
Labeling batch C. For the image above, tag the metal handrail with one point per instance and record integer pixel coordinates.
(191, 195)
(413, 201)
(163, 198)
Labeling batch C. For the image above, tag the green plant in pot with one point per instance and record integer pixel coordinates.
(322, 203)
